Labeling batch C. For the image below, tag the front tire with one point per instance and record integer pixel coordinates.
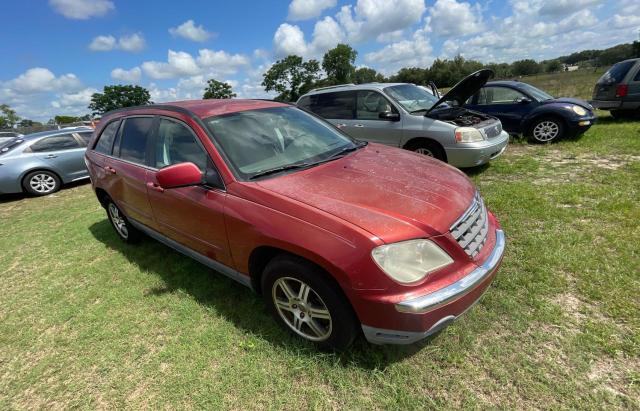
(127, 232)
(307, 304)
(546, 130)
(41, 183)
(427, 148)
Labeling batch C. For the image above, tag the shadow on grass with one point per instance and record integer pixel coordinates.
(10, 198)
(235, 302)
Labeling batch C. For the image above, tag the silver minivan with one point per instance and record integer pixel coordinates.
(408, 116)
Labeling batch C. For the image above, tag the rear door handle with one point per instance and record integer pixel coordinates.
(110, 170)
(51, 156)
(358, 125)
(155, 187)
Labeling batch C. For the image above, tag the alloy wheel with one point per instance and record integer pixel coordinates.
(302, 309)
(546, 131)
(42, 183)
(424, 151)
(118, 221)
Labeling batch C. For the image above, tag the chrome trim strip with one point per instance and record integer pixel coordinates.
(458, 289)
(221, 268)
(474, 203)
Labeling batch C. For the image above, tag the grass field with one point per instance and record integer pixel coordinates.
(577, 84)
(88, 322)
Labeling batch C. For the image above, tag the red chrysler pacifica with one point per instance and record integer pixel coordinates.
(338, 235)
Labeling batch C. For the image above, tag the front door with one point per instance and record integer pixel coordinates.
(505, 103)
(193, 216)
(369, 126)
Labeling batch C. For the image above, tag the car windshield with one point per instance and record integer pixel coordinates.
(535, 92)
(271, 140)
(616, 73)
(412, 98)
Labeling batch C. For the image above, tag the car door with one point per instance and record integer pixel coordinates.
(369, 125)
(64, 154)
(505, 103)
(128, 166)
(193, 216)
(633, 92)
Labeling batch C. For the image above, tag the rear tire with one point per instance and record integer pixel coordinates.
(625, 114)
(428, 148)
(545, 130)
(303, 301)
(41, 183)
(124, 229)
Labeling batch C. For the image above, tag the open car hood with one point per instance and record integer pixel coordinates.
(466, 88)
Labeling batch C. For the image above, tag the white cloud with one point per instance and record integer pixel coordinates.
(74, 103)
(180, 63)
(308, 9)
(38, 79)
(190, 31)
(625, 21)
(221, 61)
(452, 18)
(132, 43)
(416, 52)
(82, 9)
(371, 18)
(564, 7)
(103, 43)
(289, 39)
(128, 76)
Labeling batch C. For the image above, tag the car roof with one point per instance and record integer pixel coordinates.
(202, 108)
(349, 87)
(68, 130)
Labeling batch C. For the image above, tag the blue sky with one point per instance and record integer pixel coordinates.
(72, 48)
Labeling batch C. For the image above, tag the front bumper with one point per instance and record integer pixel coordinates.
(475, 154)
(447, 303)
(580, 125)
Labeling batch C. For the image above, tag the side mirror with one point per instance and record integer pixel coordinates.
(179, 175)
(388, 115)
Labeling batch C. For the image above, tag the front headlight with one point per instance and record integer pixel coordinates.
(579, 110)
(468, 135)
(410, 261)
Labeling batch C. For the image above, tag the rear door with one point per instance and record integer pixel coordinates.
(63, 153)
(193, 216)
(633, 93)
(369, 126)
(503, 103)
(337, 107)
(128, 168)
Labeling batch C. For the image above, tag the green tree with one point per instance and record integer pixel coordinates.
(119, 96)
(291, 77)
(66, 119)
(218, 89)
(8, 117)
(338, 64)
(552, 66)
(367, 75)
(28, 123)
(525, 67)
(415, 75)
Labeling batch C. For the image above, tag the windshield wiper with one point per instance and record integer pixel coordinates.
(417, 111)
(280, 169)
(344, 151)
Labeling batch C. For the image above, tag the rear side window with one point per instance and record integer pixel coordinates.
(616, 73)
(105, 141)
(175, 144)
(85, 137)
(55, 143)
(338, 105)
(133, 144)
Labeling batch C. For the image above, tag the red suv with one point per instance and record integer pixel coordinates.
(339, 236)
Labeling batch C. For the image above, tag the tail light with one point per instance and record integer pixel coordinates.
(622, 90)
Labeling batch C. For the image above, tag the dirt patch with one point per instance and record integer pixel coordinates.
(615, 374)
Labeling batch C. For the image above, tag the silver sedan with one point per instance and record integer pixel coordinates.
(40, 163)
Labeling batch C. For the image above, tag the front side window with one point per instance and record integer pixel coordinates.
(175, 144)
(105, 141)
(257, 140)
(413, 98)
(55, 143)
(133, 144)
(370, 104)
(499, 95)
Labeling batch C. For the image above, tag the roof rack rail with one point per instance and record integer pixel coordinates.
(328, 87)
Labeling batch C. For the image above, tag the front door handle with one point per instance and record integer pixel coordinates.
(110, 170)
(340, 125)
(358, 125)
(51, 156)
(155, 187)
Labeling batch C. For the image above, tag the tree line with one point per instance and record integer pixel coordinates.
(292, 76)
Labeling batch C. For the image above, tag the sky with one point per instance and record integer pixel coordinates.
(56, 53)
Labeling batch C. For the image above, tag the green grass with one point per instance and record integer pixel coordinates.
(88, 322)
(577, 83)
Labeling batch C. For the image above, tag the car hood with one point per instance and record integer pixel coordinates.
(466, 88)
(393, 194)
(569, 100)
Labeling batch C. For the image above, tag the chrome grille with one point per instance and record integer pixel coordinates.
(470, 231)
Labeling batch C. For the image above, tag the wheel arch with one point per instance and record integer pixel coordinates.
(412, 142)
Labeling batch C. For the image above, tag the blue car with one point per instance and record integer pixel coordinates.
(525, 109)
(40, 163)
